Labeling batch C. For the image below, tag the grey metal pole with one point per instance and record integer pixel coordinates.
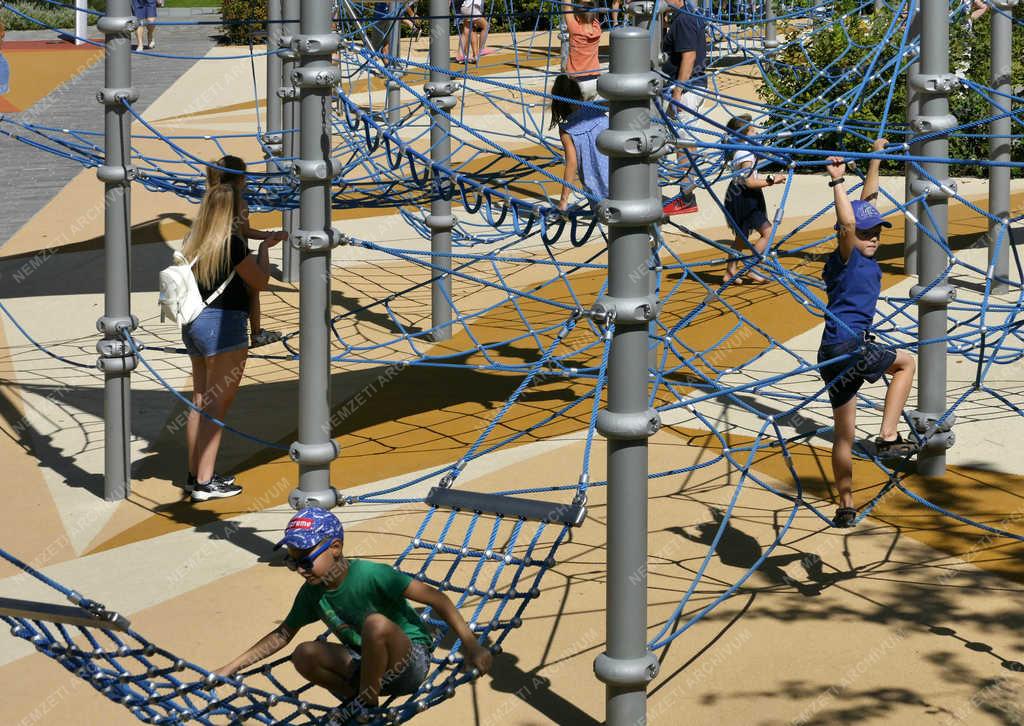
(116, 358)
(289, 121)
(934, 84)
(394, 95)
(642, 14)
(315, 78)
(771, 33)
(999, 146)
(440, 220)
(272, 134)
(633, 145)
(912, 211)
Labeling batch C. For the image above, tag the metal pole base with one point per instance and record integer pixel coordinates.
(325, 499)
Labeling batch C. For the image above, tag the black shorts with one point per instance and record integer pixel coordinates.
(745, 208)
(867, 362)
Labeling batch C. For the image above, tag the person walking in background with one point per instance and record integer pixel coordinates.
(145, 12)
(584, 30)
(685, 50)
(473, 42)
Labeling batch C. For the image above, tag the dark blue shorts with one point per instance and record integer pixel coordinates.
(144, 9)
(216, 331)
(869, 360)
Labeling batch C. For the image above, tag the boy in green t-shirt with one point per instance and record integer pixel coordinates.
(385, 646)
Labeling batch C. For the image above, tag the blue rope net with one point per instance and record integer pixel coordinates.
(523, 272)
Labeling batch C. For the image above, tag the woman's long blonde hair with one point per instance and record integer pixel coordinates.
(210, 236)
(229, 170)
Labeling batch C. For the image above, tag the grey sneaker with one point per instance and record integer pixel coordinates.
(214, 489)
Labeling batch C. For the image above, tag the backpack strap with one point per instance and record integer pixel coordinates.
(179, 258)
(219, 290)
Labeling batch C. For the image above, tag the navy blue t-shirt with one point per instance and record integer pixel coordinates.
(686, 33)
(853, 289)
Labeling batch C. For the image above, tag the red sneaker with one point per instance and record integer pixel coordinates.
(680, 205)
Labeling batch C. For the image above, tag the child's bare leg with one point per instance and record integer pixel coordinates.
(385, 647)
(732, 267)
(464, 41)
(474, 39)
(845, 421)
(486, 27)
(765, 232)
(902, 372)
(327, 665)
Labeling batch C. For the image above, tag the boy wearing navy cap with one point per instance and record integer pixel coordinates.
(854, 282)
(385, 646)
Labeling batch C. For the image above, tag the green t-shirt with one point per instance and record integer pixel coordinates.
(369, 587)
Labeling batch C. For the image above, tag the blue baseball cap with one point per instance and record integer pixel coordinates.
(866, 216)
(310, 526)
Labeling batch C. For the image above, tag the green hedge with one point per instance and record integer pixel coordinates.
(52, 15)
(244, 21)
(969, 53)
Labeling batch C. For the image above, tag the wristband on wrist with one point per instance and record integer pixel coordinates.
(836, 182)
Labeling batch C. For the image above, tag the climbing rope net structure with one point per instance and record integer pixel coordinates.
(525, 278)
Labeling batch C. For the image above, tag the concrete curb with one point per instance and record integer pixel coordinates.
(187, 12)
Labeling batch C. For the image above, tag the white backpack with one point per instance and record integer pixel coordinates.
(179, 292)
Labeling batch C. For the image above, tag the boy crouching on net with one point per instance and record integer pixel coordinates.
(385, 647)
(853, 281)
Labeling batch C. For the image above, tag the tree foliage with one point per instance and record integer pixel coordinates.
(815, 68)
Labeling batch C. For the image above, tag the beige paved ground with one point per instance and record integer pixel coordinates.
(908, 620)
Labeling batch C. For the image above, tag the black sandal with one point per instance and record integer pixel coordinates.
(845, 517)
(895, 449)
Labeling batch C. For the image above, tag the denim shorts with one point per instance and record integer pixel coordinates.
(216, 331)
(405, 678)
(867, 362)
(144, 9)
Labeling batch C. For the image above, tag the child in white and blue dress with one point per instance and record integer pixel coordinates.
(745, 207)
(579, 125)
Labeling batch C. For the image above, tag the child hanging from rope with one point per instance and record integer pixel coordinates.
(744, 202)
(232, 172)
(385, 646)
(854, 283)
(578, 128)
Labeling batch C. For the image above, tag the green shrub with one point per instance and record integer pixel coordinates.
(244, 21)
(51, 15)
(800, 77)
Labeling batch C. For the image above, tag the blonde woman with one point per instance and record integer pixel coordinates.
(216, 340)
(230, 170)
